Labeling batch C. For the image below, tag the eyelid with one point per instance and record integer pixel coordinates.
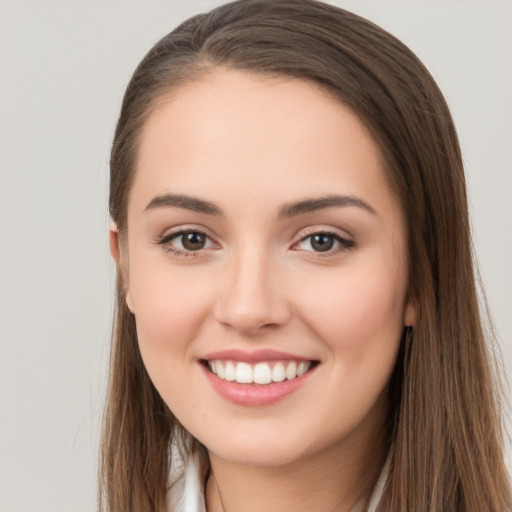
(170, 234)
(346, 242)
(328, 230)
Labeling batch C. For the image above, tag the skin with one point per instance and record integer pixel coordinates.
(250, 144)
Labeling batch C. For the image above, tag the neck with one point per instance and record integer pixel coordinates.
(331, 481)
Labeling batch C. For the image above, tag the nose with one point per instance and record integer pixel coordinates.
(253, 299)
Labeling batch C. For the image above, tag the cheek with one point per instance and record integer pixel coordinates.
(357, 313)
(358, 318)
(169, 308)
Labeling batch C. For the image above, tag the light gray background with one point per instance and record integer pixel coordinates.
(63, 69)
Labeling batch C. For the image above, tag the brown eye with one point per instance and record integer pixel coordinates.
(193, 240)
(186, 242)
(322, 242)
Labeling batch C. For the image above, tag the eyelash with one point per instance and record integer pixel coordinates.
(166, 239)
(344, 244)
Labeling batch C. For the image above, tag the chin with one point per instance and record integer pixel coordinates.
(273, 447)
(257, 456)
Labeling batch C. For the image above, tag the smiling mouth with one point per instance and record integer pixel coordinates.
(260, 373)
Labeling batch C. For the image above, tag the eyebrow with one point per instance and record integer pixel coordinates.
(287, 210)
(320, 203)
(186, 202)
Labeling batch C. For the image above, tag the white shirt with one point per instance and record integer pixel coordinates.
(187, 493)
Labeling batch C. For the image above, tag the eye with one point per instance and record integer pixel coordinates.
(324, 242)
(185, 242)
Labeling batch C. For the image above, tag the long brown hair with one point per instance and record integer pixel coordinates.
(444, 438)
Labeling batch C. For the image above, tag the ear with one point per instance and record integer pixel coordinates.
(115, 250)
(117, 254)
(411, 313)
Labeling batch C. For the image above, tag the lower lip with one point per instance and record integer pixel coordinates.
(255, 394)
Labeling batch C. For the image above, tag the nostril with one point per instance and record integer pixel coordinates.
(251, 300)
(252, 319)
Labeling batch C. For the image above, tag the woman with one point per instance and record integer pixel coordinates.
(297, 325)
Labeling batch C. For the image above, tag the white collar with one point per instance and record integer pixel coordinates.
(187, 493)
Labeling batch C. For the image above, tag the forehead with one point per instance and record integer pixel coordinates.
(241, 136)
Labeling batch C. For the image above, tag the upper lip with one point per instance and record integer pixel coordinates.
(255, 356)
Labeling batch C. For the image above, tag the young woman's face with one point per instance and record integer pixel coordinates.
(264, 242)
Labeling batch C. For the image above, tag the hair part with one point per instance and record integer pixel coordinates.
(445, 439)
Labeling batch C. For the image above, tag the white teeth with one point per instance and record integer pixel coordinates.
(291, 370)
(278, 374)
(302, 368)
(230, 372)
(243, 373)
(261, 373)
